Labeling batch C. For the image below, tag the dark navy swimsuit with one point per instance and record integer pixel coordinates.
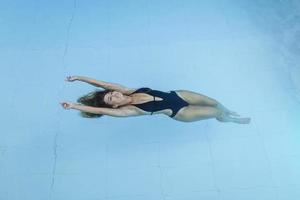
(170, 101)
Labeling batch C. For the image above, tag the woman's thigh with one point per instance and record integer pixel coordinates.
(194, 113)
(194, 98)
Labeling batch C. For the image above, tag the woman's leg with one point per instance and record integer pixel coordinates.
(194, 98)
(193, 113)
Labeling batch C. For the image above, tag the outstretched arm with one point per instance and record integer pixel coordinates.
(119, 112)
(105, 85)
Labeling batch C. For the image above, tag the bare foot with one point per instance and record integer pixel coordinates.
(233, 113)
(226, 118)
(242, 120)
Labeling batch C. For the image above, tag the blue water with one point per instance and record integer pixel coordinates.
(245, 54)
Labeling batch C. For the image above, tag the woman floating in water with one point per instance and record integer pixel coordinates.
(119, 101)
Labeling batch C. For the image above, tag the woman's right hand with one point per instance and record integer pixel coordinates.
(71, 78)
(67, 105)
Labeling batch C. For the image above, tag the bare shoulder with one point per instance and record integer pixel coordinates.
(126, 90)
(130, 90)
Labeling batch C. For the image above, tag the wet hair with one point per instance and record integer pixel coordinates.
(94, 99)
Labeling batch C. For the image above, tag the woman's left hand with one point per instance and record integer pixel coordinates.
(67, 105)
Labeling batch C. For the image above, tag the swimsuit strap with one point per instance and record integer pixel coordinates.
(154, 100)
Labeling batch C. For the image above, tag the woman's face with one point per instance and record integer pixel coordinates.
(113, 98)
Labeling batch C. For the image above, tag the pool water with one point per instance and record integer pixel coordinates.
(245, 54)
